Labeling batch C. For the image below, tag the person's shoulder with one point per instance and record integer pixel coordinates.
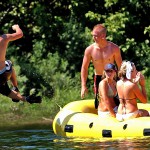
(129, 84)
(89, 49)
(133, 84)
(113, 45)
(90, 46)
(119, 82)
(103, 82)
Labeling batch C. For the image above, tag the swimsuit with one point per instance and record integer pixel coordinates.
(110, 91)
(112, 95)
(128, 98)
(97, 79)
(106, 113)
(5, 90)
(5, 75)
(122, 117)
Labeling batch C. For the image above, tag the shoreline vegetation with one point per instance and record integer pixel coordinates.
(24, 115)
(24, 124)
(48, 58)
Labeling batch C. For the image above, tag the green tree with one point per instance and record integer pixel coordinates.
(63, 28)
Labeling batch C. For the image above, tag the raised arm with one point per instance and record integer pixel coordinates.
(14, 36)
(140, 94)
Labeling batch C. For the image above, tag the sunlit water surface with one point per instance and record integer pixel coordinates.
(45, 139)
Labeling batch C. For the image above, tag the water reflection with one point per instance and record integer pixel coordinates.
(107, 143)
(45, 139)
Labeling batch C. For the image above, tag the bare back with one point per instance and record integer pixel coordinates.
(128, 103)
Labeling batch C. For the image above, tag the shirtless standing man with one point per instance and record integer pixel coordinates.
(101, 52)
(7, 72)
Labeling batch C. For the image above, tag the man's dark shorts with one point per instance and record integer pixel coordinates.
(5, 75)
(5, 90)
(97, 79)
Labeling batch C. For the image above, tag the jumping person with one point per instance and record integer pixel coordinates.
(7, 71)
(101, 52)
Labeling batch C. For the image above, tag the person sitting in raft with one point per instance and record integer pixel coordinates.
(107, 92)
(129, 91)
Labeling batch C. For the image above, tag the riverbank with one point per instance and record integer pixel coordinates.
(16, 122)
(23, 114)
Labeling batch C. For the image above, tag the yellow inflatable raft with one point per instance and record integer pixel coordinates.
(80, 119)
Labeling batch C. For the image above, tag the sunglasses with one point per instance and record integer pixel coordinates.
(109, 71)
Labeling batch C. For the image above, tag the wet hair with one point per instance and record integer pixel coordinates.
(123, 69)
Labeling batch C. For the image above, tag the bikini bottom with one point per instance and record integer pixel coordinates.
(122, 117)
(106, 113)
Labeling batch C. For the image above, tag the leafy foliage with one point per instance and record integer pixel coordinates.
(56, 33)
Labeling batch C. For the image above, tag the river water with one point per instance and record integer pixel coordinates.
(44, 139)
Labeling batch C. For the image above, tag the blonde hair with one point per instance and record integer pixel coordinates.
(104, 75)
(123, 69)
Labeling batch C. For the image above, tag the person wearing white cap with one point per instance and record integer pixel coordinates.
(129, 92)
(8, 73)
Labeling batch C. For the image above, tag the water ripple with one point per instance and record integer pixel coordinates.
(47, 140)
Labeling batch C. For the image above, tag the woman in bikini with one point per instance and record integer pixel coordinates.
(107, 92)
(129, 91)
